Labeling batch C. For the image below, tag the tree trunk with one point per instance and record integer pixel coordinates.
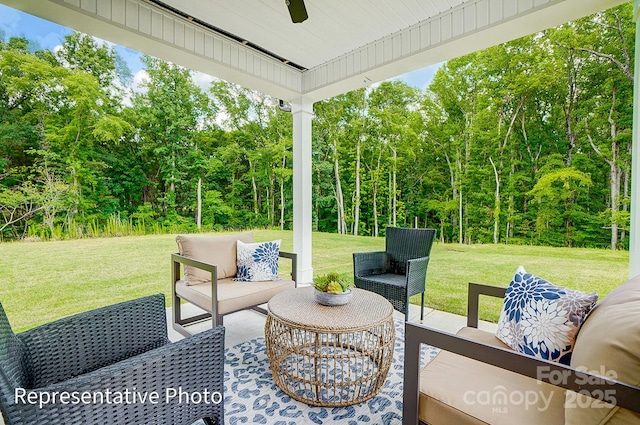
(199, 208)
(460, 214)
(496, 210)
(268, 198)
(342, 225)
(389, 202)
(282, 200)
(272, 193)
(501, 149)
(615, 172)
(375, 181)
(510, 210)
(394, 189)
(454, 190)
(569, 108)
(376, 228)
(615, 177)
(254, 187)
(625, 196)
(356, 197)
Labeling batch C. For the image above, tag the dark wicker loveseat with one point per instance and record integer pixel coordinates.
(96, 367)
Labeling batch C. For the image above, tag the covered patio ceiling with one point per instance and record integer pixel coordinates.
(342, 46)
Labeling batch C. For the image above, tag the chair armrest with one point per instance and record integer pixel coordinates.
(624, 395)
(294, 264)
(192, 366)
(416, 275)
(369, 263)
(473, 304)
(178, 259)
(87, 341)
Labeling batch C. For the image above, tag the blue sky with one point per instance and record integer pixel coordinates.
(47, 35)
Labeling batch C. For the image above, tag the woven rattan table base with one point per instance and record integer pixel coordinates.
(329, 356)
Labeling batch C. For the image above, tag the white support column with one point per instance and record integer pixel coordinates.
(302, 110)
(634, 233)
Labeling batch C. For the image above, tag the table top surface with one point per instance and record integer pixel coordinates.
(299, 307)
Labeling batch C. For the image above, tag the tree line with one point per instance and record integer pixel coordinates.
(527, 142)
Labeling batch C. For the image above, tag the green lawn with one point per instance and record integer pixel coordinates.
(43, 281)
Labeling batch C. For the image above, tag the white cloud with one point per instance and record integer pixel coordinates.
(202, 80)
(139, 78)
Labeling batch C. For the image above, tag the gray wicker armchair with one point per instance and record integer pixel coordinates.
(398, 272)
(75, 370)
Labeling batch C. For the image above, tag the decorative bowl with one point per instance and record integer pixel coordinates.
(325, 298)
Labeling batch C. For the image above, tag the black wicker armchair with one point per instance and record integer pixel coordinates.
(400, 271)
(112, 365)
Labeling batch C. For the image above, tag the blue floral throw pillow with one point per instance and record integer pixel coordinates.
(258, 261)
(541, 319)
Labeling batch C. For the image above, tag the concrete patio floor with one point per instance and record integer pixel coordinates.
(248, 324)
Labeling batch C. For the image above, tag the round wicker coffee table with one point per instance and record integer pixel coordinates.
(329, 356)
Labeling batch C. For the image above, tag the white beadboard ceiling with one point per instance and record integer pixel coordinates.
(344, 45)
(334, 27)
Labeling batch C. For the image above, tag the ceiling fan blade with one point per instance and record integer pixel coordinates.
(297, 10)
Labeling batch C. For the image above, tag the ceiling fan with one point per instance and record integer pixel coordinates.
(297, 10)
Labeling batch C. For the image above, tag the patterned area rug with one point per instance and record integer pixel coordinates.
(252, 397)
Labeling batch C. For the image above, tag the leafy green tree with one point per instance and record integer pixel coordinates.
(168, 113)
(262, 139)
(559, 187)
(455, 96)
(605, 41)
(82, 52)
(333, 125)
(393, 108)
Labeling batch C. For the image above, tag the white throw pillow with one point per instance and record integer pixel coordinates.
(258, 261)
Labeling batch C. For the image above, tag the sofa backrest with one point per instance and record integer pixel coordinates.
(608, 344)
(217, 250)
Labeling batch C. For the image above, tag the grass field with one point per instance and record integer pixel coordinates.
(43, 281)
